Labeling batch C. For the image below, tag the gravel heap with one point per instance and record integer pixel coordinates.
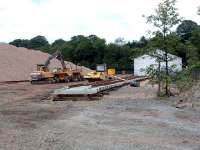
(17, 63)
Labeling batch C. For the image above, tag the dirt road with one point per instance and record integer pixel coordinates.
(129, 118)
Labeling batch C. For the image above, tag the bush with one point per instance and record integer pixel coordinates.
(185, 79)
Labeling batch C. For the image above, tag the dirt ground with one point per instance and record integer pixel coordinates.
(126, 119)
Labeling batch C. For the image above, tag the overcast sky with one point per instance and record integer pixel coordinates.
(107, 19)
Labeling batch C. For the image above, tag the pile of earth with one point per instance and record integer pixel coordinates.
(16, 64)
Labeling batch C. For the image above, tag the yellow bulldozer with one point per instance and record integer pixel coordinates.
(65, 74)
(101, 73)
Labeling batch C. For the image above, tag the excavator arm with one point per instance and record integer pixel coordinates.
(58, 56)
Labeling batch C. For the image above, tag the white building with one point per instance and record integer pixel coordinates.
(141, 63)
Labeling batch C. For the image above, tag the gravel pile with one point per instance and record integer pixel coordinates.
(17, 63)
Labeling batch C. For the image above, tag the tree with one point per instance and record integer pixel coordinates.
(56, 45)
(118, 57)
(87, 51)
(120, 41)
(164, 19)
(138, 44)
(155, 42)
(185, 29)
(99, 46)
(192, 54)
(195, 40)
(20, 43)
(58, 42)
(142, 42)
(37, 42)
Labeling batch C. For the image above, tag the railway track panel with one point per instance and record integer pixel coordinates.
(91, 90)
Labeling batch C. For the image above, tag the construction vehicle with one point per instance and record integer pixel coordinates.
(64, 74)
(101, 73)
(111, 72)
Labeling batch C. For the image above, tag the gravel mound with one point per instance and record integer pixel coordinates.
(17, 63)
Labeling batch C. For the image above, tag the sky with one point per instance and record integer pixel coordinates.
(109, 19)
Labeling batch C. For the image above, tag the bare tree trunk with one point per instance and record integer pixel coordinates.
(166, 63)
(167, 74)
(159, 79)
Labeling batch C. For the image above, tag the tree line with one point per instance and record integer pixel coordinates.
(91, 50)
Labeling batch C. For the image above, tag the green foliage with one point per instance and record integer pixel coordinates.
(195, 39)
(153, 73)
(138, 44)
(192, 54)
(166, 16)
(185, 29)
(58, 43)
(158, 76)
(38, 42)
(164, 19)
(183, 80)
(195, 71)
(136, 52)
(117, 56)
(87, 51)
(156, 42)
(120, 41)
(20, 43)
(92, 50)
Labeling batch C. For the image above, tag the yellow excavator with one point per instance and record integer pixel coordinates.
(64, 74)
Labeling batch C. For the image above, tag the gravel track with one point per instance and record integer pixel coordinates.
(126, 119)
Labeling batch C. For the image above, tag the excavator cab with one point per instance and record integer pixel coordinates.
(40, 67)
(42, 73)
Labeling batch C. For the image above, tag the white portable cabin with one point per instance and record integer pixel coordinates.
(141, 63)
